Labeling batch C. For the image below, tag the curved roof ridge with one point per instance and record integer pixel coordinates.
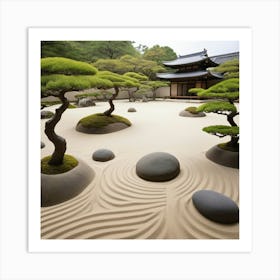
(204, 52)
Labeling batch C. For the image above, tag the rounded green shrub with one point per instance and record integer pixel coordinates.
(69, 162)
(192, 110)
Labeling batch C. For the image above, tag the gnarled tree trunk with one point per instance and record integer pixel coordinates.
(112, 107)
(234, 139)
(58, 141)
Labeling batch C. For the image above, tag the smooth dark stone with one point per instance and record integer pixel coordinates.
(216, 207)
(42, 145)
(131, 110)
(103, 155)
(59, 188)
(158, 167)
(223, 157)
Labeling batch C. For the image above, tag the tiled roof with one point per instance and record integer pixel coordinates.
(171, 76)
(200, 56)
(187, 59)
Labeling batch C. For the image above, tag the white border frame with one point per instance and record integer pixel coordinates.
(243, 35)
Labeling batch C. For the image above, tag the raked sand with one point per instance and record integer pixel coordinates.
(118, 204)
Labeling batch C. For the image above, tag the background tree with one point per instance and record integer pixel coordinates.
(146, 67)
(131, 90)
(228, 91)
(87, 51)
(159, 54)
(154, 85)
(113, 65)
(58, 76)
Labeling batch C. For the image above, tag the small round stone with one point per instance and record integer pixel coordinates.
(42, 145)
(158, 167)
(216, 207)
(131, 110)
(103, 155)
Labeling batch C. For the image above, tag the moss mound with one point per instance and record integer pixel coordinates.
(69, 163)
(100, 120)
(101, 124)
(225, 146)
(192, 110)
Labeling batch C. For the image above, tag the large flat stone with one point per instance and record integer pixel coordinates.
(216, 206)
(158, 167)
(113, 127)
(59, 188)
(223, 157)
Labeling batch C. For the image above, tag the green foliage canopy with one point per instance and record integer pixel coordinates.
(60, 65)
(222, 130)
(117, 80)
(228, 89)
(230, 69)
(87, 51)
(223, 108)
(54, 79)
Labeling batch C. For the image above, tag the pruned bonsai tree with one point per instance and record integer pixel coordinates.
(106, 122)
(118, 81)
(58, 76)
(131, 90)
(150, 87)
(227, 93)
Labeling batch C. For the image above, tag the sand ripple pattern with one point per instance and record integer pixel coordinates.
(120, 205)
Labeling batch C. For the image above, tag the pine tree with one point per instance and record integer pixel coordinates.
(58, 76)
(227, 93)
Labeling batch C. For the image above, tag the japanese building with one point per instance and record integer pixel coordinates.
(191, 71)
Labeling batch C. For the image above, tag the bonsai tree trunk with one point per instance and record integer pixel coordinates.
(234, 139)
(131, 97)
(58, 141)
(112, 107)
(233, 142)
(154, 95)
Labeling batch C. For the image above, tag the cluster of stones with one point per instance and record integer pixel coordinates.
(46, 114)
(161, 167)
(86, 102)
